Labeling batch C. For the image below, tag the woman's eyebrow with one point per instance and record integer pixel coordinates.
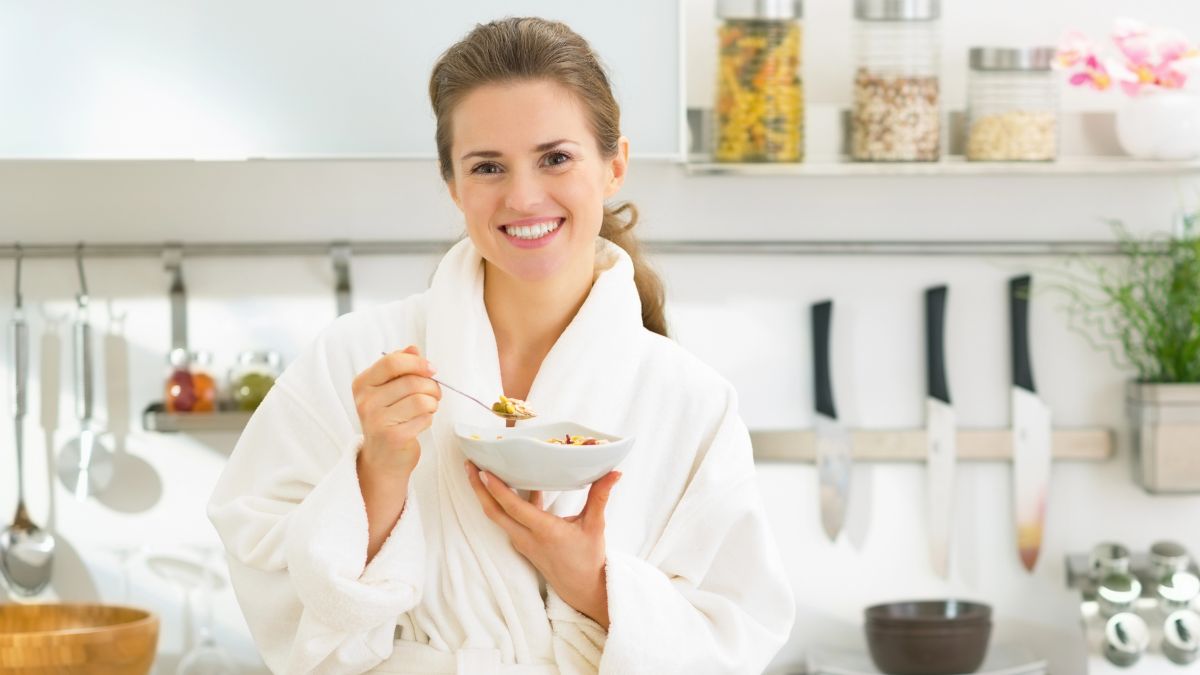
(492, 154)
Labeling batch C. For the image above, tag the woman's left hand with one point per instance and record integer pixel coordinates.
(569, 551)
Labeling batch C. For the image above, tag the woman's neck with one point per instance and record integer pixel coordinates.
(528, 318)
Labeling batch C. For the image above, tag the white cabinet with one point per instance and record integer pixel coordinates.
(219, 79)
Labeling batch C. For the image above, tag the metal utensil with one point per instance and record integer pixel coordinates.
(1030, 432)
(940, 433)
(26, 551)
(85, 466)
(511, 417)
(832, 439)
(51, 349)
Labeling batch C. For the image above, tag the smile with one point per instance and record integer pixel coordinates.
(533, 232)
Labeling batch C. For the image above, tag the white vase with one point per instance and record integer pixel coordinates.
(1160, 124)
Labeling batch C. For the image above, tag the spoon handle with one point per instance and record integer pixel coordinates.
(461, 392)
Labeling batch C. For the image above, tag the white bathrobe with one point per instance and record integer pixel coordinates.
(695, 582)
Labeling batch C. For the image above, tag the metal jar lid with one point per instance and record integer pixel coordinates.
(1118, 592)
(1011, 58)
(1181, 636)
(1108, 557)
(771, 10)
(897, 10)
(1126, 636)
(1178, 589)
(1167, 557)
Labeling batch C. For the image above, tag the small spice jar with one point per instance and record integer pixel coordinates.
(1012, 105)
(252, 377)
(1181, 637)
(760, 96)
(1126, 637)
(1106, 558)
(1177, 590)
(1118, 592)
(190, 387)
(896, 115)
(1168, 557)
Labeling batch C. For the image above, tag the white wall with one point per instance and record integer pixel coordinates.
(745, 315)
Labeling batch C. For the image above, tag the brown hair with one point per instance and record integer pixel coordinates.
(527, 48)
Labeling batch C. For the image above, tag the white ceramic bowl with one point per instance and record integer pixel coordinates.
(524, 458)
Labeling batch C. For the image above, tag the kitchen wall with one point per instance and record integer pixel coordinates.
(746, 315)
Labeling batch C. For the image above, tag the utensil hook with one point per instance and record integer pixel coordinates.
(83, 289)
(20, 256)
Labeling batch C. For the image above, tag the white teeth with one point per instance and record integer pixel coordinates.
(532, 231)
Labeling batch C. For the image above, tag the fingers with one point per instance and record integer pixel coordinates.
(406, 385)
(491, 507)
(597, 499)
(393, 365)
(535, 498)
(524, 513)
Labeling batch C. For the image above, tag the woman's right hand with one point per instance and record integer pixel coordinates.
(396, 401)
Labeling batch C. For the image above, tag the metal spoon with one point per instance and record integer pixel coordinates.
(26, 551)
(511, 417)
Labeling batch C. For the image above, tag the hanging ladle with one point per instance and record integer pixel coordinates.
(26, 550)
(85, 466)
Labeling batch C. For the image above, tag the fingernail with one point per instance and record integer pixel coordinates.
(483, 477)
(432, 370)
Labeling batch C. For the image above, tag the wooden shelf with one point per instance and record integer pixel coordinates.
(948, 166)
(156, 418)
(908, 445)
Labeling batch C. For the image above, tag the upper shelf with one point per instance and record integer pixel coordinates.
(947, 166)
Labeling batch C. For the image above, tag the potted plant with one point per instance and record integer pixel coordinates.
(1145, 311)
(1159, 72)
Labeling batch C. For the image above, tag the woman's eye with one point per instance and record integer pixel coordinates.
(556, 158)
(486, 168)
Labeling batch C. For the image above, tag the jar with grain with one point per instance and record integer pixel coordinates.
(896, 116)
(1012, 105)
(760, 96)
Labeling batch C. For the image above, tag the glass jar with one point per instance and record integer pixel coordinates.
(760, 97)
(190, 387)
(896, 116)
(1012, 105)
(252, 377)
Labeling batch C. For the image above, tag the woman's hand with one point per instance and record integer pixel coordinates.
(569, 551)
(396, 401)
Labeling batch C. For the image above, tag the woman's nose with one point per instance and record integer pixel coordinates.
(525, 192)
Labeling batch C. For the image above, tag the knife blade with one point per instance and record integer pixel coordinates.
(1030, 432)
(940, 433)
(832, 438)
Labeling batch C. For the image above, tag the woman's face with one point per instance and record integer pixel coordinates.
(529, 177)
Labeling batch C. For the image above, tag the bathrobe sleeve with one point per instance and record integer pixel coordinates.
(712, 596)
(290, 512)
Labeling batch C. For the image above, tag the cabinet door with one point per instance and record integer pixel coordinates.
(215, 79)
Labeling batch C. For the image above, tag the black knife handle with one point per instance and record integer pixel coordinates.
(822, 320)
(1018, 303)
(935, 343)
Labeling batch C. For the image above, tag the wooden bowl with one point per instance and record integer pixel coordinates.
(53, 639)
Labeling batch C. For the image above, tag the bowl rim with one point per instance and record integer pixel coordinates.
(149, 617)
(979, 612)
(612, 439)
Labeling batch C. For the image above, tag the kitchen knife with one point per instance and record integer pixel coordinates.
(939, 433)
(832, 439)
(1030, 432)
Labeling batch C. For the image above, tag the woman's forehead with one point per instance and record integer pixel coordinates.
(517, 118)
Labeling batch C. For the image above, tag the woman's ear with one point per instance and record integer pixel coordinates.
(617, 167)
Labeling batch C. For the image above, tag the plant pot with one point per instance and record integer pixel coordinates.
(1160, 124)
(1166, 436)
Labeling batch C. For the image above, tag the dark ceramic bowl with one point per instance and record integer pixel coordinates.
(930, 637)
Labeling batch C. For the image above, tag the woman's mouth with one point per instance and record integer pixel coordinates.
(533, 235)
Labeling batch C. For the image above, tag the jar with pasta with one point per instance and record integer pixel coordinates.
(896, 115)
(1012, 105)
(760, 95)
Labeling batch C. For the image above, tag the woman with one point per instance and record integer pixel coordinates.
(360, 540)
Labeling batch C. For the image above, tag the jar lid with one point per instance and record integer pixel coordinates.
(1127, 633)
(1012, 58)
(759, 9)
(1120, 589)
(1182, 630)
(1169, 556)
(1179, 587)
(897, 10)
(270, 358)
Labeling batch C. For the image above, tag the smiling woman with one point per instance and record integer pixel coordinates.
(360, 539)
